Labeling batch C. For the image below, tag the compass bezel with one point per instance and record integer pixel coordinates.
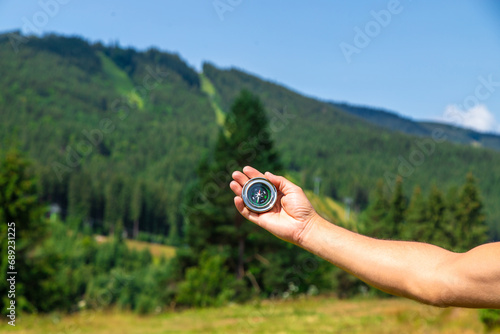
(248, 203)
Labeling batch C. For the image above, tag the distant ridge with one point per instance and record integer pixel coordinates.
(394, 122)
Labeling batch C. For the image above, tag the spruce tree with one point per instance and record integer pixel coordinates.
(115, 205)
(397, 211)
(374, 218)
(79, 196)
(211, 218)
(136, 207)
(23, 224)
(417, 227)
(471, 222)
(450, 224)
(436, 216)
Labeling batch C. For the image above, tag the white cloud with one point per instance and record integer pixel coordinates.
(477, 118)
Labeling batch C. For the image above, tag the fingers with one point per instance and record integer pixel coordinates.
(236, 187)
(281, 183)
(250, 172)
(240, 178)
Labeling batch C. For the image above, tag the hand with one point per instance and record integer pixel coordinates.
(292, 215)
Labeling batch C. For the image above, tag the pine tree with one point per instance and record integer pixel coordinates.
(136, 207)
(397, 211)
(211, 218)
(115, 205)
(450, 224)
(436, 216)
(79, 196)
(374, 219)
(22, 220)
(471, 222)
(417, 227)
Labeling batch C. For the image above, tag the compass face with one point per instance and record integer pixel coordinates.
(259, 195)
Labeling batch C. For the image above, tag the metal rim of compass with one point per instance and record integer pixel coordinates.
(269, 203)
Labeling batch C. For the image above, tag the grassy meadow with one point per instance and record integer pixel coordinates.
(303, 315)
(156, 250)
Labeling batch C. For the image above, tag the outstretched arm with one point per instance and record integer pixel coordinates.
(419, 271)
(415, 270)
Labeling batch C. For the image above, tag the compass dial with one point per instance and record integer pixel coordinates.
(259, 195)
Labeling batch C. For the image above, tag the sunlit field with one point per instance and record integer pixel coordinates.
(307, 315)
(156, 250)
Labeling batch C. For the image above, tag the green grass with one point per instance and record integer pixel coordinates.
(327, 207)
(208, 88)
(331, 210)
(306, 315)
(157, 250)
(121, 81)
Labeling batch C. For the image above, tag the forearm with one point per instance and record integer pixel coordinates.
(407, 269)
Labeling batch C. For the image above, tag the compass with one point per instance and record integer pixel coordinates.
(259, 195)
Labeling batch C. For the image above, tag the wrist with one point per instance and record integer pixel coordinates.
(306, 236)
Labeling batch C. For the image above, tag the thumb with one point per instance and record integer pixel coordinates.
(281, 183)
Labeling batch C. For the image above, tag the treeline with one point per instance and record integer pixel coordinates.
(454, 221)
(131, 60)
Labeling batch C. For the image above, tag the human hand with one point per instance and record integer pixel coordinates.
(292, 215)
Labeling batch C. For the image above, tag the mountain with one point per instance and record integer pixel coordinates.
(116, 134)
(394, 122)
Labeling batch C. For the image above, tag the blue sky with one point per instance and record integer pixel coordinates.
(422, 59)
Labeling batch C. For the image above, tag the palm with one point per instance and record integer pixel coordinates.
(288, 217)
(291, 213)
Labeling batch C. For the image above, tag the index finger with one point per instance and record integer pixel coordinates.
(252, 172)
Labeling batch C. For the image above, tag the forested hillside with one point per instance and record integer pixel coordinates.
(116, 135)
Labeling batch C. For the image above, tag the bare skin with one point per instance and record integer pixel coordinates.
(419, 271)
